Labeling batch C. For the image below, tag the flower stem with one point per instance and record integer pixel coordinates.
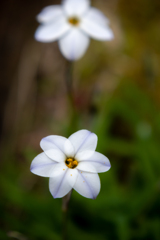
(69, 80)
(65, 204)
(70, 92)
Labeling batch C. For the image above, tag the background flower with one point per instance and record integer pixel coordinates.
(71, 163)
(72, 24)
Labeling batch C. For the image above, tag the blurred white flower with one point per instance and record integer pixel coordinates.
(71, 163)
(72, 23)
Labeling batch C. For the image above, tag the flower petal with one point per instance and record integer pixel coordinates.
(95, 29)
(83, 140)
(81, 155)
(62, 181)
(86, 167)
(69, 149)
(56, 155)
(58, 186)
(52, 31)
(59, 169)
(50, 13)
(74, 44)
(87, 184)
(42, 165)
(76, 7)
(97, 163)
(95, 15)
(72, 175)
(53, 142)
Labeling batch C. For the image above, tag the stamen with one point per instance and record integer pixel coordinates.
(74, 21)
(71, 163)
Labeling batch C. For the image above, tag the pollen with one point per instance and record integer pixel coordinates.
(71, 163)
(74, 21)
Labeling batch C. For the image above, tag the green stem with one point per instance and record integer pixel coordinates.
(69, 80)
(70, 92)
(65, 204)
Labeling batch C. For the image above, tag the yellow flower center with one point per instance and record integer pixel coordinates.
(74, 21)
(71, 163)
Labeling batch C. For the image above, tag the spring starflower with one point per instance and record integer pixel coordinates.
(71, 164)
(72, 23)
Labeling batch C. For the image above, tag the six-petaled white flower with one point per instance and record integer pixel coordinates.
(71, 163)
(72, 23)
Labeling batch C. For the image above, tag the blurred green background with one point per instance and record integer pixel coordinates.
(117, 96)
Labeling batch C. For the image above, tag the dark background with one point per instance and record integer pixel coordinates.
(117, 96)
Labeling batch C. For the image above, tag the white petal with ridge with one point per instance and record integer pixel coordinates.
(87, 184)
(56, 155)
(69, 149)
(42, 165)
(98, 161)
(83, 140)
(62, 182)
(53, 142)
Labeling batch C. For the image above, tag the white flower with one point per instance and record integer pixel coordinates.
(71, 164)
(72, 23)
